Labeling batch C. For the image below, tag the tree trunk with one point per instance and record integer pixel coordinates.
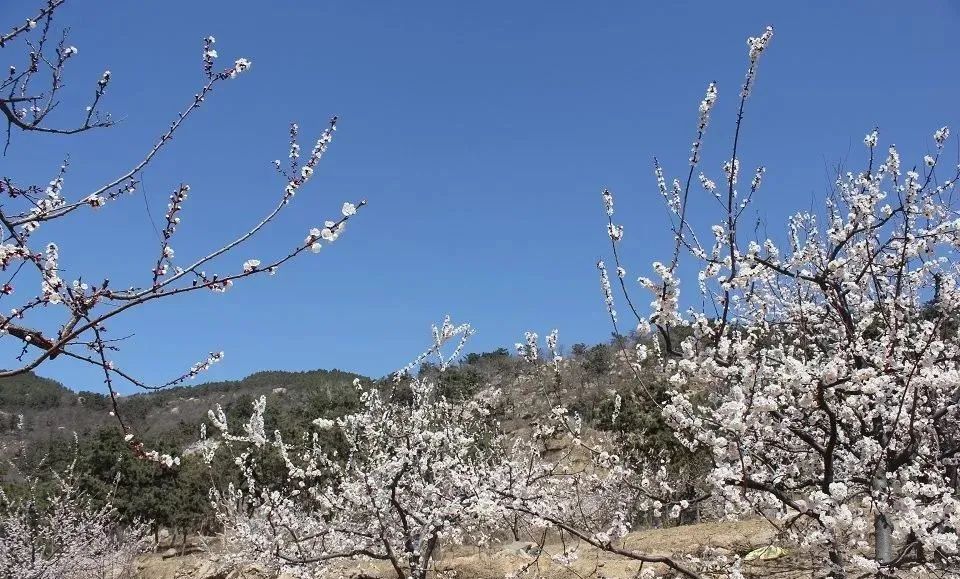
(883, 532)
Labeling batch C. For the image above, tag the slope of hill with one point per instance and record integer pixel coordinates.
(36, 409)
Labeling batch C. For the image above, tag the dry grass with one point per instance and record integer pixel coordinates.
(499, 562)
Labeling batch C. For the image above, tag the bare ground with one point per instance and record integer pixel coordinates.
(501, 561)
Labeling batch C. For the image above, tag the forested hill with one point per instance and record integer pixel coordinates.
(171, 417)
(51, 410)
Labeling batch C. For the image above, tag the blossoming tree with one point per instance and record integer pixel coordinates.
(29, 93)
(416, 474)
(62, 534)
(823, 375)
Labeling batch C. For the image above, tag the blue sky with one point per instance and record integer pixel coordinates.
(480, 133)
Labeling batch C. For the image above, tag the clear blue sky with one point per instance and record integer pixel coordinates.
(480, 132)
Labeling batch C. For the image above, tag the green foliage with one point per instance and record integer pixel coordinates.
(94, 401)
(459, 382)
(140, 489)
(29, 391)
(598, 360)
(497, 355)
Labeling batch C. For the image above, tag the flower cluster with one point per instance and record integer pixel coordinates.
(607, 289)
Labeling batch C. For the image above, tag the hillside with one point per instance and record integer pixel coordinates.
(50, 410)
(169, 421)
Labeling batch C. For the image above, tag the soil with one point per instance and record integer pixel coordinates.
(728, 538)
